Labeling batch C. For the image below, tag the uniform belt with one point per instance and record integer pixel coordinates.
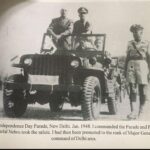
(137, 58)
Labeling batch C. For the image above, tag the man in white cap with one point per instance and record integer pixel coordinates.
(59, 29)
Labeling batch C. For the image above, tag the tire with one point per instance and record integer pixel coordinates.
(56, 103)
(112, 105)
(14, 103)
(91, 98)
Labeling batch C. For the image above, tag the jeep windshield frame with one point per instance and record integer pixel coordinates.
(84, 37)
(75, 42)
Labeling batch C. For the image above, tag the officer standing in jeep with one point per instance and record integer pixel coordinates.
(137, 70)
(82, 26)
(59, 29)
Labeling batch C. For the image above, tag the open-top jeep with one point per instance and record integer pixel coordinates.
(79, 74)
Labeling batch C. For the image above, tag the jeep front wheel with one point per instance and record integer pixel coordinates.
(91, 98)
(14, 103)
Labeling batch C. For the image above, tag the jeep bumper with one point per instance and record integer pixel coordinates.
(39, 87)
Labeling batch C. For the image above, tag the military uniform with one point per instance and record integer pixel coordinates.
(82, 27)
(137, 67)
(62, 26)
(137, 73)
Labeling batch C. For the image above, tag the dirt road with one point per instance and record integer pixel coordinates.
(42, 112)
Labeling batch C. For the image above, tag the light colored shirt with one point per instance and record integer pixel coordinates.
(137, 69)
(143, 47)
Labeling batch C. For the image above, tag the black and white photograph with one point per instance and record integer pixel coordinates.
(75, 60)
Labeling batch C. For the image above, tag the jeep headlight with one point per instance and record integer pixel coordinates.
(28, 61)
(74, 63)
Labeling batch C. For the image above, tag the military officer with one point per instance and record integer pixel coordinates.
(82, 26)
(59, 28)
(137, 69)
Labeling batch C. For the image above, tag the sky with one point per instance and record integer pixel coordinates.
(23, 22)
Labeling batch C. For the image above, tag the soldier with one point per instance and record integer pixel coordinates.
(60, 28)
(137, 69)
(84, 43)
(82, 26)
(98, 44)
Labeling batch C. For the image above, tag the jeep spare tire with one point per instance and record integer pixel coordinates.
(91, 98)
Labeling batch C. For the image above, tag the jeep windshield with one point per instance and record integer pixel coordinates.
(93, 42)
(78, 44)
